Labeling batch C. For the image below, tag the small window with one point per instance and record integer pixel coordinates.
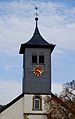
(37, 103)
(34, 59)
(41, 59)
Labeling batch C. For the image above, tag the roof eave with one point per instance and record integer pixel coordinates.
(23, 46)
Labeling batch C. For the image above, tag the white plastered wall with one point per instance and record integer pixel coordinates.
(21, 107)
(15, 111)
(28, 104)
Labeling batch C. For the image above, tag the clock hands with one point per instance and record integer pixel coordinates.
(38, 70)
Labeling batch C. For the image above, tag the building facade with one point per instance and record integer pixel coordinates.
(36, 80)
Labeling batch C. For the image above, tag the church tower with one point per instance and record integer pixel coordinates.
(36, 72)
(36, 80)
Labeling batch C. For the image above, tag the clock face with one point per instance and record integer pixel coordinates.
(38, 70)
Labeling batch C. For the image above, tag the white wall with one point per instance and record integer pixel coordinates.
(28, 100)
(15, 111)
(21, 107)
(37, 117)
(28, 104)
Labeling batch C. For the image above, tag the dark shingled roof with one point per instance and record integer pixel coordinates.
(36, 41)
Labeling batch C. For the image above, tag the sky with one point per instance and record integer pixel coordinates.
(56, 25)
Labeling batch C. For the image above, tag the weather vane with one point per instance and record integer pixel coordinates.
(36, 14)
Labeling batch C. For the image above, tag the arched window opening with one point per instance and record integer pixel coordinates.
(37, 103)
(41, 59)
(34, 57)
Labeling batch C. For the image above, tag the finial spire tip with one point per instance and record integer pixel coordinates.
(36, 14)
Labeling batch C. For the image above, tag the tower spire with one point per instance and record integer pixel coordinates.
(36, 15)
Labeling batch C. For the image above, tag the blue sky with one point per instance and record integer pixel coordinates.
(17, 24)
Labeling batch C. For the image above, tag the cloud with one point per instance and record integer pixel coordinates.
(64, 37)
(57, 88)
(8, 67)
(9, 90)
(17, 24)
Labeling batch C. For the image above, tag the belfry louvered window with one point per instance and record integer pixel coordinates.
(34, 58)
(41, 59)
